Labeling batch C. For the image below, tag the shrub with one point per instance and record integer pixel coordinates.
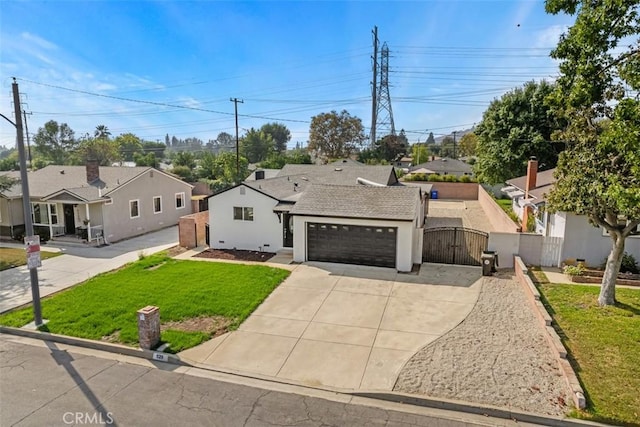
(465, 178)
(450, 178)
(629, 264)
(574, 270)
(434, 178)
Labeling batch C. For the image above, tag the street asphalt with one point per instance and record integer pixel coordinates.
(44, 383)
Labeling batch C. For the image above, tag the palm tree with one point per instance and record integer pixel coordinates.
(102, 132)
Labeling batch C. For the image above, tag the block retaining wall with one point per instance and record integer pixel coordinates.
(558, 349)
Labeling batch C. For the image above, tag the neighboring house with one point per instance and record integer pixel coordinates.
(403, 163)
(96, 203)
(263, 174)
(335, 213)
(443, 166)
(580, 239)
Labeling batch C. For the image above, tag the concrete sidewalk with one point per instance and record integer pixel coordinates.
(344, 326)
(77, 265)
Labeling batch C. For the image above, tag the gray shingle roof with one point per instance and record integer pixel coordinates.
(341, 174)
(54, 178)
(391, 203)
(544, 182)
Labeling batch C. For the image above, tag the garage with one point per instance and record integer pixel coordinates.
(352, 244)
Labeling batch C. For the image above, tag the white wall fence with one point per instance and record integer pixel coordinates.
(534, 249)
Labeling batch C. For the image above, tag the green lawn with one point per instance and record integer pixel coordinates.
(15, 257)
(604, 347)
(106, 305)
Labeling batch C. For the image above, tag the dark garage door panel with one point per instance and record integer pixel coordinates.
(352, 244)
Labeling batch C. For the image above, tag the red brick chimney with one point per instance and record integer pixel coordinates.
(532, 175)
(93, 170)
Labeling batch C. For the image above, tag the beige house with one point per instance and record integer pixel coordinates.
(96, 204)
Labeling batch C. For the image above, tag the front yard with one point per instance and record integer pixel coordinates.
(197, 300)
(15, 257)
(604, 348)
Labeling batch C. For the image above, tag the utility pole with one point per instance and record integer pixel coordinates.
(26, 131)
(26, 202)
(235, 102)
(374, 88)
(454, 144)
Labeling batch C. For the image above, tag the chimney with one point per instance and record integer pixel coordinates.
(532, 175)
(259, 175)
(93, 170)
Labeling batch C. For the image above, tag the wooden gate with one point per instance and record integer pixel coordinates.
(454, 245)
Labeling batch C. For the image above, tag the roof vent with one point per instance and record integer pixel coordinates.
(344, 160)
(61, 171)
(304, 178)
(338, 169)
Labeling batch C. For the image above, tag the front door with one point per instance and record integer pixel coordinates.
(69, 220)
(287, 227)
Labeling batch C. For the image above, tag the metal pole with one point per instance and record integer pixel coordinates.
(26, 202)
(235, 101)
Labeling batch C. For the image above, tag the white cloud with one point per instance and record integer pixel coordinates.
(549, 36)
(42, 43)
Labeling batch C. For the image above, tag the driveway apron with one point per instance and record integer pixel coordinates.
(344, 326)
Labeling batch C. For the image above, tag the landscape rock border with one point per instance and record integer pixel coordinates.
(559, 350)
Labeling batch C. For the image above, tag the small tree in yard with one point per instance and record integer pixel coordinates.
(599, 173)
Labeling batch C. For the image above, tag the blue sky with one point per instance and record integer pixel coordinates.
(132, 65)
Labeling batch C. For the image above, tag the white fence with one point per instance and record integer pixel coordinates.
(534, 249)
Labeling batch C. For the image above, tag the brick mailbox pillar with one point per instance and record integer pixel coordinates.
(148, 327)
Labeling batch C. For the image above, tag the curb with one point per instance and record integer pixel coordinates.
(477, 409)
(156, 356)
(559, 350)
(387, 396)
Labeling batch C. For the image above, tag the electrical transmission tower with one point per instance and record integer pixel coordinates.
(382, 121)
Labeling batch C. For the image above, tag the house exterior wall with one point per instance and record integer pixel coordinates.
(405, 242)
(227, 233)
(506, 245)
(117, 222)
(10, 216)
(584, 241)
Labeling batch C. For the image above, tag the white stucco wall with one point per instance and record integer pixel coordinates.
(227, 233)
(506, 245)
(584, 241)
(404, 244)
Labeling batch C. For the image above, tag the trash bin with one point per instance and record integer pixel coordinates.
(489, 262)
(434, 194)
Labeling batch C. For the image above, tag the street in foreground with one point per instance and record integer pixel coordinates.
(44, 383)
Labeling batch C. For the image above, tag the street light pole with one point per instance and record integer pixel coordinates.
(26, 201)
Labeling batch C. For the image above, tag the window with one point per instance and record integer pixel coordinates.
(242, 213)
(157, 204)
(39, 213)
(54, 214)
(179, 200)
(134, 208)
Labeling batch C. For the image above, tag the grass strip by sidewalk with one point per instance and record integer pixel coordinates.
(106, 305)
(15, 257)
(604, 348)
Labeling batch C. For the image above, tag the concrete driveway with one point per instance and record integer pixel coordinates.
(79, 263)
(345, 326)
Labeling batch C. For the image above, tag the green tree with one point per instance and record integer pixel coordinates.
(278, 160)
(129, 144)
(104, 150)
(280, 135)
(446, 147)
(102, 132)
(55, 142)
(419, 154)
(184, 158)
(514, 128)
(224, 171)
(391, 147)
(157, 148)
(599, 173)
(7, 182)
(184, 172)
(148, 159)
(468, 143)
(256, 145)
(430, 139)
(335, 135)
(10, 160)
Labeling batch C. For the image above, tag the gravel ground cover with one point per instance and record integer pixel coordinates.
(498, 356)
